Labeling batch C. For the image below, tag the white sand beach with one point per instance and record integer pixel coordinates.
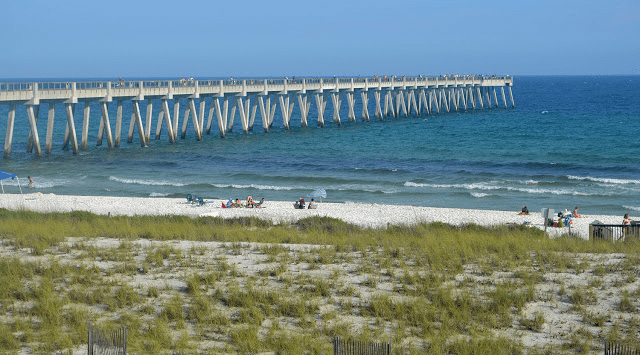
(365, 215)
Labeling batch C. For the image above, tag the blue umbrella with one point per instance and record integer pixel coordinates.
(6, 175)
(318, 193)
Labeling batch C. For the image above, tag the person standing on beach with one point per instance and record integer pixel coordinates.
(30, 182)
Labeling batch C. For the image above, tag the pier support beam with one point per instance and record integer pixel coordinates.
(9, 134)
(304, 104)
(486, 96)
(167, 121)
(105, 126)
(364, 95)
(336, 99)
(70, 131)
(479, 97)
(85, 125)
(118, 125)
(264, 112)
(400, 103)
(351, 103)
(212, 110)
(412, 103)
(176, 118)
(504, 98)
(194, 120)
(388, 104)
(232, 118)
(203, 103)
(513, 105)
(36, 113)
(159, 124)
(222, 115)
(254, 108)
(378, 111)
(138, 123)
(444, 102)
(321, 105)
(244, 113)
(132, 125)
(286, 107)
(463, 97)
(50, 118)
(34, 129)
(149, 113)
(471, 98)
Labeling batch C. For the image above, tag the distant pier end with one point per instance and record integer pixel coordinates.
(394, 97)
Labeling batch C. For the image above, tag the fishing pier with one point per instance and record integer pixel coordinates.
(222, 99)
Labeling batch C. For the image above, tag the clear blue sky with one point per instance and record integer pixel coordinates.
(49, 39)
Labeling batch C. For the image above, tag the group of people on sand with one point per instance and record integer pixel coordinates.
(565, 218)
(300, 204)
(249, 204)
(574, 214)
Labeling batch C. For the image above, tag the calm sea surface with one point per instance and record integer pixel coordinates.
(569, 141)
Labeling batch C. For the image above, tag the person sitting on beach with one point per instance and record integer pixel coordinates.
(237, 203)
(575, 213)
(299, 204)
(250, 203)
(230, 203)
(312, 204)
(259, 204)
(525, 210)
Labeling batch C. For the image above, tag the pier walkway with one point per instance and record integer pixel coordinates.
(393, 97)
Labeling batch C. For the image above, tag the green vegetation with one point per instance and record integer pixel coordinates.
(289, 288)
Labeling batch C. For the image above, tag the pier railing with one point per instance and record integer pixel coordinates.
(28, 86)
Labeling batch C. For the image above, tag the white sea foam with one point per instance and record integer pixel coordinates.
(257, 187)
(487, 187)
(145, 182)
(158, 194)
(632, 208)
(38, 183)
(479, 194)
(603, 180)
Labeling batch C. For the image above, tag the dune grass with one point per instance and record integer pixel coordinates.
(396, 284)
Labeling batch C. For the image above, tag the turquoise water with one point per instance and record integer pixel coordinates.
(569, 141)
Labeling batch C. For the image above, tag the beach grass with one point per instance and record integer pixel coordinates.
(289, 288)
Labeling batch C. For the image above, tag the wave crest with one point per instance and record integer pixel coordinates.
(604, 180)
(144, 182)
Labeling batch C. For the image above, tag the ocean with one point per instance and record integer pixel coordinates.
(570, 141)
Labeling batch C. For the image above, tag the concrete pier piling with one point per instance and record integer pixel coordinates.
(393, 97)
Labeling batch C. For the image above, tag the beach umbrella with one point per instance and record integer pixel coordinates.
(318, 193)
(6, 175)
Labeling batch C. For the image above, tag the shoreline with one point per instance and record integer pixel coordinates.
(360, 214)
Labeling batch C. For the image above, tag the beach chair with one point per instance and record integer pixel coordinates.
(189, 198)
(200, 201)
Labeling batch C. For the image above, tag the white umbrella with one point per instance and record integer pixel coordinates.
(318, 193)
